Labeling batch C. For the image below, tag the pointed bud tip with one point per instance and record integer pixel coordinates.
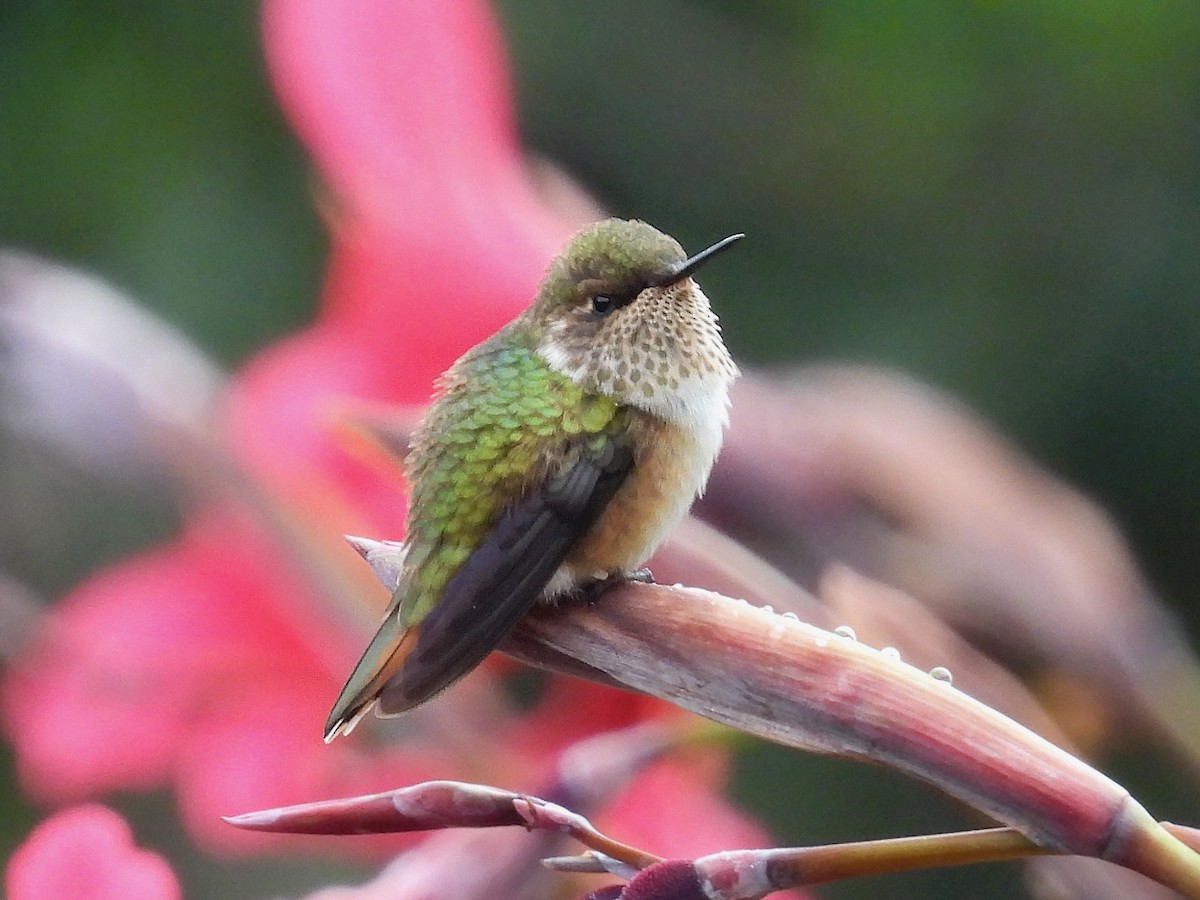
(261, 820)
(386, 558)
(362, 546)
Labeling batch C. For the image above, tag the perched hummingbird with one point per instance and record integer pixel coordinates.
(554, 459)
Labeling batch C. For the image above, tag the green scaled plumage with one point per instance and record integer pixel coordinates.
(501, 408)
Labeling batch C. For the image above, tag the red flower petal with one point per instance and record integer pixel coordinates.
(102, 699)
(571, 708)
(266, 751)
(87, 853)
(440, 239)
(282, 415)
(136, 656)
(406, 108)
(673, 809)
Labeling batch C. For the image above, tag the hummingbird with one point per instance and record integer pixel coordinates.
(554, 459)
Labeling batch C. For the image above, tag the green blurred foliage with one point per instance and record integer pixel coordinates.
(1000, 197)
(141, 141)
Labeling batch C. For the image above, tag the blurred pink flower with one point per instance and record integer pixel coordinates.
(675, 808)
(87, 853)
(182, 666)
(438, 236)
(208, 664)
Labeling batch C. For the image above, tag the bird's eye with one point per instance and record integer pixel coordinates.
(602, 304)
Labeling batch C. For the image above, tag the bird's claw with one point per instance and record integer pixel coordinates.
(589, 591)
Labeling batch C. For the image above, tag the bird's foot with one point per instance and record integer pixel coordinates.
(641, 576)
(589, 591)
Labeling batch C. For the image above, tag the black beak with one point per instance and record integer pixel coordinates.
(689, 266)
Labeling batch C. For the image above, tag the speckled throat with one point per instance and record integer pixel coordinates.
(662, 353)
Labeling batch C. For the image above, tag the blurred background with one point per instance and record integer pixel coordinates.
(1000, 199)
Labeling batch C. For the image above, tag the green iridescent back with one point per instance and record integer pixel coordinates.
(502, 421)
